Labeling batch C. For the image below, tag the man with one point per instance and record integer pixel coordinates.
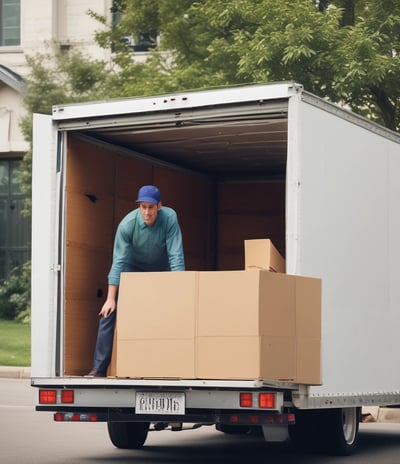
(147, 239)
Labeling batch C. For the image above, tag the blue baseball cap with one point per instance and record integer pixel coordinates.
(150, 194)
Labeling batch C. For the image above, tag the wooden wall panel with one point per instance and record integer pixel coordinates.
(248, 210)
(193, 198)
(102, 187)
(90, 224)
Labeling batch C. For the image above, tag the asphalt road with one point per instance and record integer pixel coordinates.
(29, 437)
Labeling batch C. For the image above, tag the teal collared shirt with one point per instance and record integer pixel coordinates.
(140, 248)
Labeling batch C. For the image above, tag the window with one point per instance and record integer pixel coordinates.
(14, 227)
(10, 22)
(139, 42)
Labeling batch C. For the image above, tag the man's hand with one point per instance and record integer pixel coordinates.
(111, 302)
(108, 308)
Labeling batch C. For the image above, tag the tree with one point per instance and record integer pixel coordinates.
(344, 50)
(56, 77)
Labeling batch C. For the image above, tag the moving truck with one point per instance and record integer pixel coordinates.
(296, 353)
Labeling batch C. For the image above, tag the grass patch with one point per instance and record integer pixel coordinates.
(15, 343)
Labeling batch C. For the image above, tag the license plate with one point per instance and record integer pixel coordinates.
(160, 403)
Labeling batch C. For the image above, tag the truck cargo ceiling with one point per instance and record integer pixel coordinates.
(245, 147)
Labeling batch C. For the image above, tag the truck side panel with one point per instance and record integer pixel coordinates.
(348, 229)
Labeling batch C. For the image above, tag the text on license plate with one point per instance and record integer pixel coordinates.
(160, 403)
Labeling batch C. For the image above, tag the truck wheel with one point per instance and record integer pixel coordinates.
(302, 432)
(341, 431)
(128, 435)
(331, 431)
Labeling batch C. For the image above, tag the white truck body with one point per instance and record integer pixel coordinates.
(342, 224)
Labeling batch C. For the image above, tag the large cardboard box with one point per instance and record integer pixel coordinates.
(219, 325)
(157, 305)
(308, 360)
(262, 254)
(308, 308)
(246, 303)
(259, 324)
(156, 324)
(250, 357)
(156, 358)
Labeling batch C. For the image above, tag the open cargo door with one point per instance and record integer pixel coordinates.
(46, 247)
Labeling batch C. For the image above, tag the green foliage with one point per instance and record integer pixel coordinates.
(15, 343)
(15, 294)
(344, 50)
(58, 77)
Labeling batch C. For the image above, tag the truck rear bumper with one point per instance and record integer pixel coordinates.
(202, 417)
(204, 402)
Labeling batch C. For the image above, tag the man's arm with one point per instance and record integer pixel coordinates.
(121, 246)
(120, 253)
(175, 245)
(111, 302)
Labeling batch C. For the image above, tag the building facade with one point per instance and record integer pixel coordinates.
(25, 28)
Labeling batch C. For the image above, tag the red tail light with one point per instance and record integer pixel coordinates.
(67, 396)
(47, 396)
(75, 417)
(267, 400)
(246, 400)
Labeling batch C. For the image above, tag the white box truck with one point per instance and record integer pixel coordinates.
(259, 161)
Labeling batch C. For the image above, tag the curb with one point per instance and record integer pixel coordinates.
(15, 372)
(377, 414)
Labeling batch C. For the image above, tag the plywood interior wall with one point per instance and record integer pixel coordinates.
(101, 188)
(248, 210)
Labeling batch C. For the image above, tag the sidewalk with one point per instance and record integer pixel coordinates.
(377, 414)
(11, 372)
(369, 413)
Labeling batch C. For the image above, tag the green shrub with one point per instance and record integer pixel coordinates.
(15, 343)
(15, 294)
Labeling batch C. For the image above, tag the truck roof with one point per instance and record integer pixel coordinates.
(181, 100)
(226, 132)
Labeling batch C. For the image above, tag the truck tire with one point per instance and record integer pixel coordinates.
(327, 431)
(128, 435)
(302, 432)
(341, 431)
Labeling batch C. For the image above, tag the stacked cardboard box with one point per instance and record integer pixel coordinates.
(219, 325)
(258, 324)
(156, 324)
(262, 254)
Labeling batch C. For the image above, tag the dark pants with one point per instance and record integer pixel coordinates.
(104, 344)
(105, 334)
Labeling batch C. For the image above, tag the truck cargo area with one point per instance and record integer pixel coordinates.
(223, 173)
